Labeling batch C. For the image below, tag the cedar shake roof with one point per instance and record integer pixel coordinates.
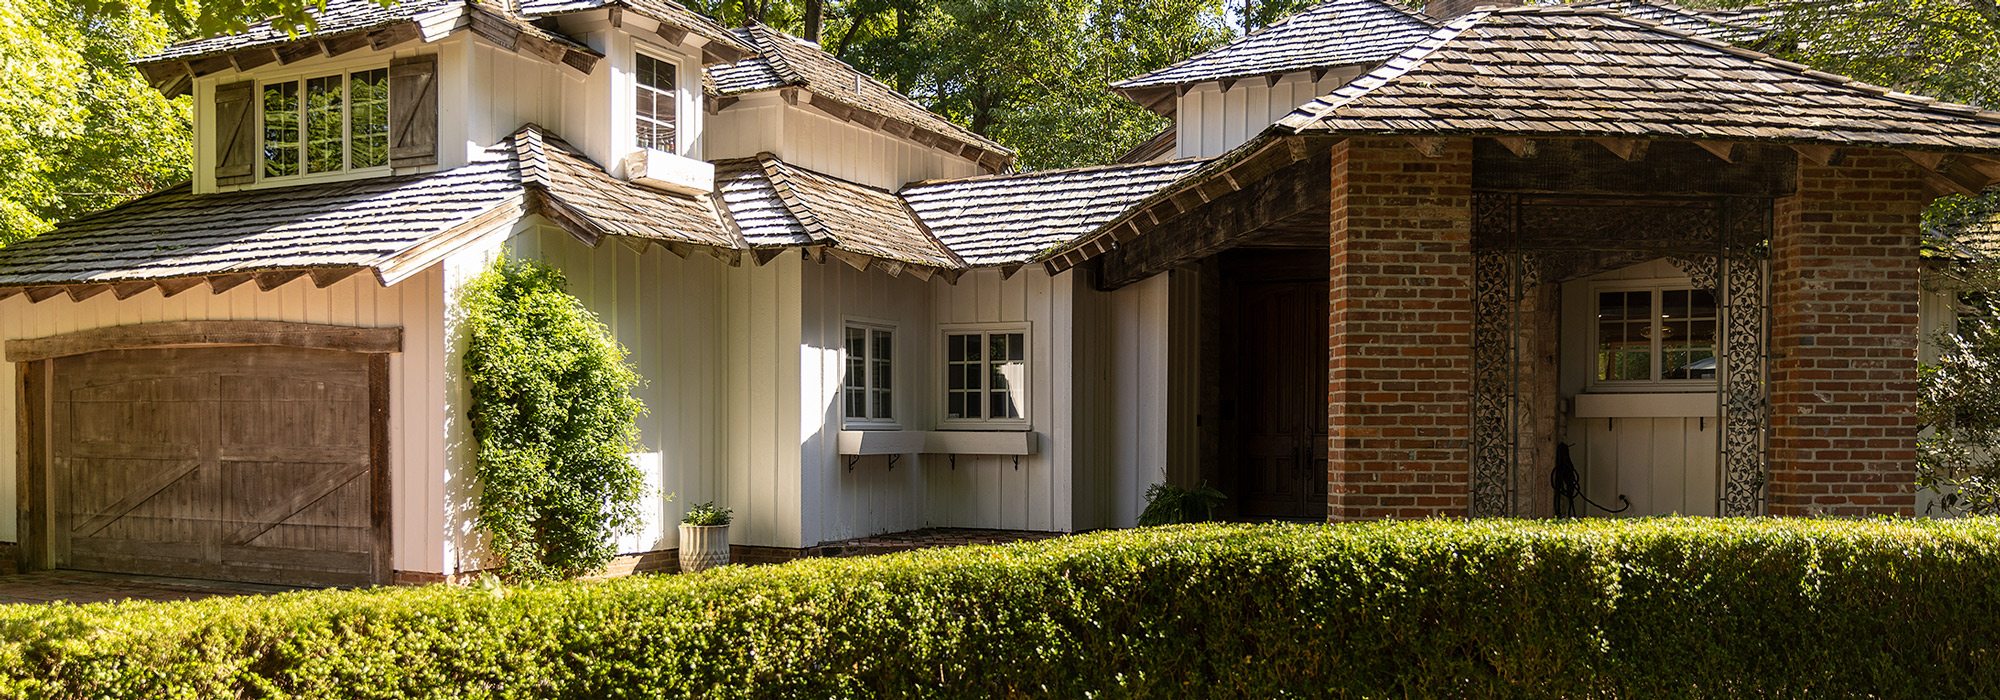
(668, 11)
(786, 61)
(580, 194)
(1581, 72)
(1009, 219)
(1739, 26)
(1334, 33)
(776, 204)
(175, 233)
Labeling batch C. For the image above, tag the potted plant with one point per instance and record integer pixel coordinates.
(704, 537)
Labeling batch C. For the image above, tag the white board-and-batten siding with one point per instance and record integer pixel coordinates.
(1124, 389)
(416, 377)
(1209, 120)
(802, 136)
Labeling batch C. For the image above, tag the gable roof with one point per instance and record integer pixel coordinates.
(668, 11)
(1332, 33)
(1009, 219)
(1563, 71)
(776, 204)
(785, 61)
(1736, 26)
(582, 196)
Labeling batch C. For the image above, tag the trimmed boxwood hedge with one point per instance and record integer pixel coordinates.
(1641, 609)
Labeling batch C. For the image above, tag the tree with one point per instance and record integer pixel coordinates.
(79, 129)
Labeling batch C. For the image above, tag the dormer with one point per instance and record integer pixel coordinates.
(1226, 96)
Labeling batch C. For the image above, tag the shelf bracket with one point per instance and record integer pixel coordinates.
(1017, 463)
(892, 461)
(852, 460)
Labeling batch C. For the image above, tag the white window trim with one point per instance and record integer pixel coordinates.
(1655, 286)
(684, 120)
(940, 391)
(344, 69)
(893, 422)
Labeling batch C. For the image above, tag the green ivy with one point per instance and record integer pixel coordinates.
(554, 414)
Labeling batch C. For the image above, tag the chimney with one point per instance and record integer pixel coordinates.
(1447, 10)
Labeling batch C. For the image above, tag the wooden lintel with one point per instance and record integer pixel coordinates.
(80, 292)
(252, 58)
(40, 294)
(172, 287)
(274, 279)
(127, 290)
(210, 65)
(672, 34)
(324, 277)
(299, 51)
(1625, 149)
(1817, 154)
(182, 333)
(1520, 146)
(1721, 149)
(1428, 146)
(218, 284)
(345, 44)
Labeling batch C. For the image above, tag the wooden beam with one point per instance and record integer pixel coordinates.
(1720, 149)
(127, 290)
(1295, 189)
(299, 51)
(394, 35)
(1928, 160)
(80, 292)
(324, 277)
(252, 58)
(1625, 149)
(274, 279)
(172, 287)
(210, 65)
(1816, 154)
(672, 34)
(170, 333)
(347, 44)
(1985, 165)
(1520, 146)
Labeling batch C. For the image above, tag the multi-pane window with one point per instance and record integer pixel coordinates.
(1658, 334)
(869, 387)
(985, 376)
(326, 124)
(654, 103)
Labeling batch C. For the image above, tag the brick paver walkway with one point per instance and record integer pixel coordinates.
(88, 587)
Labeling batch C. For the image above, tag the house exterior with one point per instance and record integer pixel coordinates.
(1694, 262)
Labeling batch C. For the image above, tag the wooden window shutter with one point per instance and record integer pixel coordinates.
(413, 111)
(235, 133)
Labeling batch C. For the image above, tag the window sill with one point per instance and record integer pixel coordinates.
(946, 442)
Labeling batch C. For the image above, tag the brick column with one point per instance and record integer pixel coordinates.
(1399, 385)
(1844, 290)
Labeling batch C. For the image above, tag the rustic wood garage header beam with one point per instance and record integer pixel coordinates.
(199, 333)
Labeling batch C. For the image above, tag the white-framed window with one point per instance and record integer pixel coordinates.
(985, 376)
(868, 391)
(325, 124)
(1661, 334)
(655, 103)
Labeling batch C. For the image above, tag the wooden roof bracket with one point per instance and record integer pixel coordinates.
(1720, 149)
(1428, 146)
(1520, 146)
(1625, 149)
(1818, 154)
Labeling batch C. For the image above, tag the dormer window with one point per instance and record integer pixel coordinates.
(655, 104)
(326, 124)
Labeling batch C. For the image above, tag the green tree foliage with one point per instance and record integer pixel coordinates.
(554, 414)
(79, 129)
(1959, 457)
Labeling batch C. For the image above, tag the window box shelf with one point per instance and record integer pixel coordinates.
(942, 442)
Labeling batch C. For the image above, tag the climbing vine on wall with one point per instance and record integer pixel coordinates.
(554, 415)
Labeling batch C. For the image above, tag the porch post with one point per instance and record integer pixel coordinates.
(1844, 292)
(1399, 381)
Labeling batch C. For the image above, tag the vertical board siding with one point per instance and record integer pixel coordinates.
(1211, 121)
(804, 137)
(872, 497)
(1124, 348)
(416, 398)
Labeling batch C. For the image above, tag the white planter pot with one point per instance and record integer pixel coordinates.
(703, 546)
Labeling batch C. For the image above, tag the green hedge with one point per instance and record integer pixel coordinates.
(1638, 609)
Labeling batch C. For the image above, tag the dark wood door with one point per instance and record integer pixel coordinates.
(1274, 384)
(242, 464)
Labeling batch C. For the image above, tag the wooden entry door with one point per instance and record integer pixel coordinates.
(239, 463)
(1274, 384)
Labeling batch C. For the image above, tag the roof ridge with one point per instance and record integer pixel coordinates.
(1303, 12)
(779, 64)
(775, 171)
(1056, 171)
(1386, 73)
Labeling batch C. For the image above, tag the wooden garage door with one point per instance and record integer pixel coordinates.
(238, 463)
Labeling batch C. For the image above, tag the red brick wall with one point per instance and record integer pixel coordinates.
(1844, 293)
(1399, 385)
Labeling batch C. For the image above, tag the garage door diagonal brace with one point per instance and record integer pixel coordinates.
(302, 498)
(145, 492)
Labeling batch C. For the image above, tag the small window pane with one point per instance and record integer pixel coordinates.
(326, 139)
(856, 381)
(281, 129)
(654, 101)
(368, 118)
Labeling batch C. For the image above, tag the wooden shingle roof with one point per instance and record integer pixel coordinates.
(776, 204)
(340, 17)
(379, 224)
(1009, 219)
(1590, 72)
(1333, 33)
(787, 62)
(580, 194)
(670, 12)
